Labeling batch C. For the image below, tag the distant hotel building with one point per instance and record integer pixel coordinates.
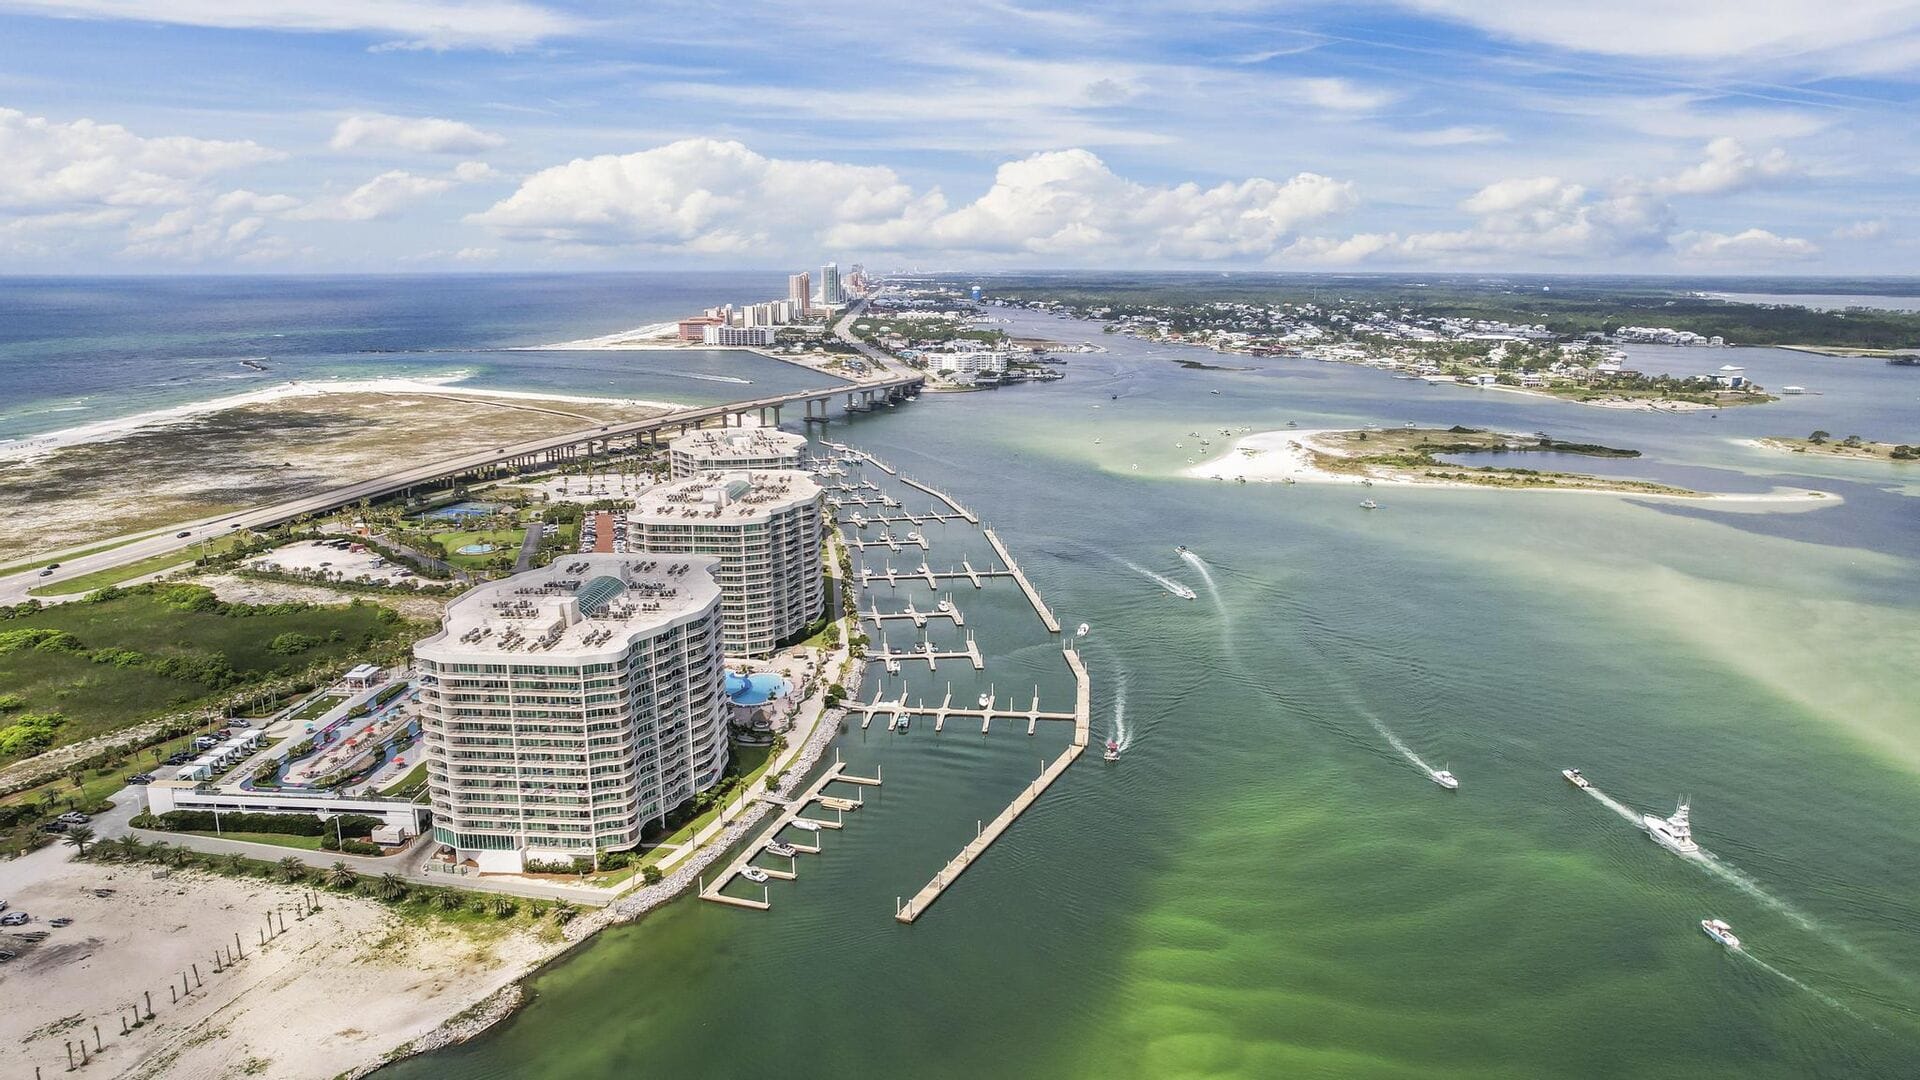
(800, 292)
(568, 707)
(765, 529)
(733, 449)
(736, 335)
(830, 294)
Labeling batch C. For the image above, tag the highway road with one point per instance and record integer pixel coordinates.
(13, 588)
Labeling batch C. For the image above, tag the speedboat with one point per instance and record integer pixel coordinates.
(1673, 833)
(1112, 752)
(1573, 777)
(986, 699)
(906, 721)
(1369, 504)
(753, 874)
(1081, 630)
(1445, 779)
(1180, 548)
(805, 825)
(945, 605)
(782, 849)
(1718, 930)
(893, 666)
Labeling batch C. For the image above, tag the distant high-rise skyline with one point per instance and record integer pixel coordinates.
(800, 291)
(830, 293)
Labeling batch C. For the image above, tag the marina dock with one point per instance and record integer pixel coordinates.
(916, 905)
(971, 653)
(789, 810)
(876, 616)
(972, 519)
(1033, 594)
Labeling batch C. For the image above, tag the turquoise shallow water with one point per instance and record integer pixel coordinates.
(1264, 885)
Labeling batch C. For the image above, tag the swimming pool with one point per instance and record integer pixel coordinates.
(460, 511)
(755, 689)
(476, 549)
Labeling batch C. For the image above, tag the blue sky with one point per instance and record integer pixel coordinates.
(353, 135)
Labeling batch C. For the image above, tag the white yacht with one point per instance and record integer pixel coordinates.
(782, 849)
(1081, 630)
(1369, 504)
(753, 874)
(1718, 930)
(1575, 778)
(893, 666)
(986, 698)
(805, 825)
(945, 605)
(1445, 779)
(1673, 833)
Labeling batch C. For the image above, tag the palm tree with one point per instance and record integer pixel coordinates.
(391, 888)
(501, 906)
(291, 869)
(157, 851)
(340, 875)
(564, 913)
(80, 837)
(180, 857)
(448, 900)
(234, 862)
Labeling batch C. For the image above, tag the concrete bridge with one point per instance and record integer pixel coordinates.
(477, 464)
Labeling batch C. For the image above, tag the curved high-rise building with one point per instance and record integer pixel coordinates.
(764, 527)
(717, 449)
(568, 707)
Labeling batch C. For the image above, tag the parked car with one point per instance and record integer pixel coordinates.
(3, 905)
(61, 921)
(179, 759)
(140, 778)
(53, 826)
(15, 918)
(74, 817)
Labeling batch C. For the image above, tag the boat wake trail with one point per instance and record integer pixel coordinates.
(710, 378)
(1206, 575)
(1119, 732)
(1165, 582)
(1615, 805)
(1405, 750)
(1825, 998)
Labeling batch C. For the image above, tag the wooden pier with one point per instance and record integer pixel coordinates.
(890, 542)
(876, 616)
(892, 577)
(789, 810)
(1033, 594)
(972, 519)
(896, 709)
(916, 905)
(862, 454)
(971, 653)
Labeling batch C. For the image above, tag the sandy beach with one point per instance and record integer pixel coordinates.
(1287, 456)
(339, 988)
(432, 386)
(650, 336)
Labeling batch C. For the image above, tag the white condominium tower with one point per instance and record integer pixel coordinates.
(765, 528)
(568, 707)
(830, 293)
(719, 449)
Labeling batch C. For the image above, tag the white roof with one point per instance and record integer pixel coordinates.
(577, 607)
(731, 496)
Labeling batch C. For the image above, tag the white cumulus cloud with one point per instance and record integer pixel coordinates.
(1751, 246)
(419, 24)
(377, 198)
(1871, 229)
(705, 196)
(1727, 167)
(422, 135)
(46, 164)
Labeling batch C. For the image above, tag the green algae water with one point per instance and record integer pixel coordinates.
(1265, 885)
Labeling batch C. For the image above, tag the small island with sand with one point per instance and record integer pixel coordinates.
(1413, 456)
(1851, 446)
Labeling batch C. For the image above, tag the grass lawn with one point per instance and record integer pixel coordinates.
(415, 778)
(753, 761)
(504, 541)
(100, 579)
(317, 707)
(211, 651)
(304, 843)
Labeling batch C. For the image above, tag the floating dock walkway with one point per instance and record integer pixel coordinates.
(1033, 594)
(913, 907)
(970, 653)
(789, 810)
(970, 516)
(933, 577)
(952, 611)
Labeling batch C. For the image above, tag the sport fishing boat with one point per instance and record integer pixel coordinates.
(986, 699)
(1369, 504)
(782, 849)
(1081, 630)
(1112, 752)
(1445, 779)
(805, 825)
(1718, 930)
(1573, 777)
(893, 666)
(753, 874)
(1673, 833)
(945, 605)
(1180, 549)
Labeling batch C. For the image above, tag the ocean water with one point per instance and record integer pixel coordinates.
(78, 351)
(1265, 885)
